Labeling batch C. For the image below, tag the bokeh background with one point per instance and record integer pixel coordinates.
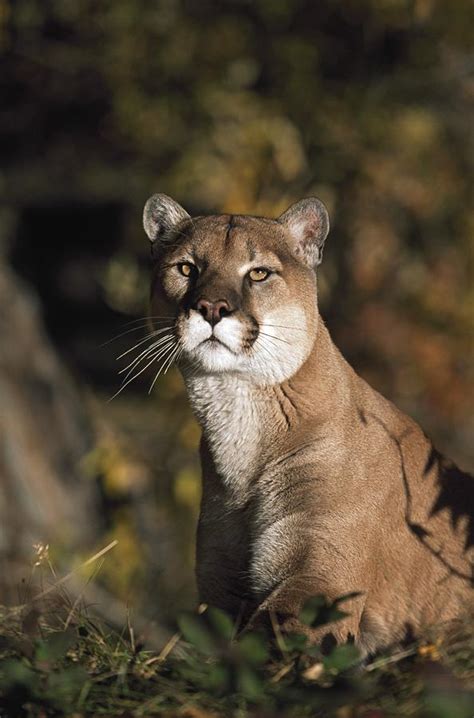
(232, 106)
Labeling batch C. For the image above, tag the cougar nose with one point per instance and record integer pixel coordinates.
(213, 312)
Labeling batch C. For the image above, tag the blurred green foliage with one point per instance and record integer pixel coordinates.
(246, 106)
(65, 664)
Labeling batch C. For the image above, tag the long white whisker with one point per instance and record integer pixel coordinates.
(151, 316)
(174, 356)
(128, 331)
(154, 382)
(270, 342)
(152, 346)
(180, 353)
(265, 348)
(132, 378)
(172, 359)
(272, 336)
(168, 354)
(165, 356)
(149, 337)
(261, 360)
(281, 326)
(122, 334)
(163, 351)
(142, 341)
(159, 345)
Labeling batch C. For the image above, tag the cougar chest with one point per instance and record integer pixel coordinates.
(229, 410)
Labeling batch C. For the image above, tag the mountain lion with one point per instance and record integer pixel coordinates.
(313, 483)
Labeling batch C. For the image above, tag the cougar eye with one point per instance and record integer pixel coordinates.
(258, 274)
(187, 268)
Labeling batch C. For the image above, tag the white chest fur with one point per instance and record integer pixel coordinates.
(229, 410)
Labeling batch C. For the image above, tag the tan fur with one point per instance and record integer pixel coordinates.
(313, 483)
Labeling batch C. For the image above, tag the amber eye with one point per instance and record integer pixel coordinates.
(258, 274)
(187, 269)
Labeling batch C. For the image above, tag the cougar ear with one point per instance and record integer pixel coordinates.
(308, 225)
(160, 215)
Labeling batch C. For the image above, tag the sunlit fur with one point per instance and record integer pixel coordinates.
(313, 483)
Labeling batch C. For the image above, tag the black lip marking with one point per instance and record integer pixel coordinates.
(214, 340)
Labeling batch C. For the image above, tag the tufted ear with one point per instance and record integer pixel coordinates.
(160, 215)
(308, 224)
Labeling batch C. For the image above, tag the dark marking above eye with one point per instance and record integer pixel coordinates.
(230, 227)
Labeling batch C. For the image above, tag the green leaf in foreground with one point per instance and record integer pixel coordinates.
(16, 674)
(64, 687)
(450, 705)
(54, 648)
(341, 658)
(197, 633)
(249, 683)
(317, 611)
(220, 622)
(253, 649)
(102, 674)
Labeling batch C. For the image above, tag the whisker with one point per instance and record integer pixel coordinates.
(163, 350)
(271, 347)
(157, 346)
(142, 341)
(148, 317)
(269, 343)
(172, 359)
(122, 334)
(145, 353)
(153, 382)
(266, 349)
(173, 356)
(146, 323)
(169, 353)
(132, 378)
(262, 362)
(272, 336)
(282, 326)
(161, 319)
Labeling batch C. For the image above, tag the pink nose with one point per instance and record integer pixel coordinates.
(213, 312)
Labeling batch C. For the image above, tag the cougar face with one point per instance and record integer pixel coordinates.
(242, 290)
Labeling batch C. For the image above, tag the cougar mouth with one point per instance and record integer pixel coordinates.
(213, 340)
(265, 348)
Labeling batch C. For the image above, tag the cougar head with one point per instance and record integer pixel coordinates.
(240, 291)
